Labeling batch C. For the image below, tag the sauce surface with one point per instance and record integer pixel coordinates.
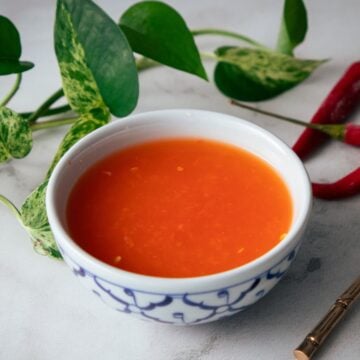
(179, 208)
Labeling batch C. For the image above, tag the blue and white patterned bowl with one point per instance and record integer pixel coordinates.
(183, 301)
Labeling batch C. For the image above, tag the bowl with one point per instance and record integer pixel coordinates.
(181, 301)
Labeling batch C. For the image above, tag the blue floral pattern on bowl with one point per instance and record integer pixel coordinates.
(182, 308)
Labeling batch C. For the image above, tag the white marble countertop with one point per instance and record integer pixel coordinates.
(45, 314)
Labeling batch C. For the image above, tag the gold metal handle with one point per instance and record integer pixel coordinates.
(317, 336)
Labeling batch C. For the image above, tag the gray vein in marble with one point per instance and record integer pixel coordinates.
(198, 354)
(10, 171)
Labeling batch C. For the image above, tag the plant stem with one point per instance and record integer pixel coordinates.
(144, 63)
(53, 111)
(208, 55)
(11, 207)
(45, 105)
(12, 91)
(53, 123)
(229, 34)
(337, 131)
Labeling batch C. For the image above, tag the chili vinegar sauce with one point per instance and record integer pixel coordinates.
(179, 208)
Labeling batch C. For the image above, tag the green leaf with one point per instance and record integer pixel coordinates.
(34, 219)
(87, 38)
(85, 97)
(15, 135)
(14, 67)
(254, 75)
(33, 211)
(157, 31)
(9, 39)
(10, 49)
(87, 123)
(293, 26)
(96, 78)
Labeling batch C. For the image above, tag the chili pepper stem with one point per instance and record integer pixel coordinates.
(12, 91)
(336, 131)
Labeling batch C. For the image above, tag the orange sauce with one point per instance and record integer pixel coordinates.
(179, 208)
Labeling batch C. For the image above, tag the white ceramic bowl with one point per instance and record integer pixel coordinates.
(185, 300)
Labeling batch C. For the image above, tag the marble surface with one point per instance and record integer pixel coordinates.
(45, 314)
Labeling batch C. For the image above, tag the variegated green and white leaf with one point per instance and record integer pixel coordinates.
(84, 97)
(33, 211)
(87, 123)
(86, 38)
(254, 75)
(15, 135)
(98, 74)
(79, 85)
(35, 221)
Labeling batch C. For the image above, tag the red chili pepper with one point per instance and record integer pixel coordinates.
(352, 134)
(337, 106)
(345, 187)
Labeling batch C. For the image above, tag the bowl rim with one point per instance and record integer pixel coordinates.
(165, 282)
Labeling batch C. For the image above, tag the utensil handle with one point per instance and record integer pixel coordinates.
(317, 336)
